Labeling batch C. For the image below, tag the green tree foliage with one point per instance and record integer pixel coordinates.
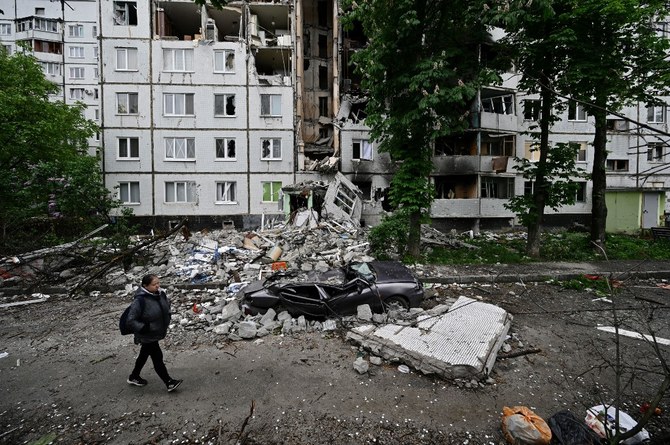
(536, 38)
(46, 175)
(421, 68)
(617, 56)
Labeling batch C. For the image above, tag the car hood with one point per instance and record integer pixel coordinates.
(392, 271)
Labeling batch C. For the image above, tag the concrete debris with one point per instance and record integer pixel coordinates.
(462, 343)
(361, 365)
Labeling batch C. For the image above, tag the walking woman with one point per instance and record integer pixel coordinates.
(149, 318)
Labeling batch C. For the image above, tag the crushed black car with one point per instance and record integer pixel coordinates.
(380, 284)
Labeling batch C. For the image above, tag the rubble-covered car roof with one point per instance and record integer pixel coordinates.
(379, 284)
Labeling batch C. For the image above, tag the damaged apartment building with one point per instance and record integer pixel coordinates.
(234, 115)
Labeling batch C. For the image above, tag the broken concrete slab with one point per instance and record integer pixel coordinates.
(463, 343)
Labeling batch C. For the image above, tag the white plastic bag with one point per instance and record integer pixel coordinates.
(601, 419)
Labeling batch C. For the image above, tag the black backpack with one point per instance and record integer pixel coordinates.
(123, 321)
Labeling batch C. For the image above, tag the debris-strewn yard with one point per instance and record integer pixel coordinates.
(277, 378)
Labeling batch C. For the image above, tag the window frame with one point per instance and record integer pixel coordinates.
(76, 30)
(612, 163)
(128, 17)
(189, 191)
(225, 97)
(128, 104)
(656, 114)
(170, 60)
(655, 151)
(580, 193)
(273, 101)
(224, 142)
(583, 147)
(362, 142)
(76, 94)
(5, 29)
(130, 189)
(220, 57)
(173, 103)
(132, 143)
(172, 150)
(77, 70)
(76, 52)
(273, 149)
(271, 191)
(224, 192)
(577, 112)
(127, 59)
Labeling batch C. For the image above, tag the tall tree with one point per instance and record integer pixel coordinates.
(421, 70)
(536, 36)
(617, 56)
(44, 167)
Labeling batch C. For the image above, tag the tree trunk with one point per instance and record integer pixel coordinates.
(414, 236)
(534, 241)
(599, 178)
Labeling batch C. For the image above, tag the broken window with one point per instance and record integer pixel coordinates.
(77, 93)
(126, 103)
(224, 61)
(362, 150)
(180, 148)
(270, 149)
(528, 188)
(617, 165)
(531, 109)
(225, 148)
(129, 148)
(531, 151)
(581, 151)
(580, 193)
(177, 59)
(180, 191)
(126, 59)
(499, 104)
(225, 192)
(224, 105)
(270, 105)
(656, 114)
(323, 77)
(322, 12)
(178, 104)
(366, 189)
(345, 199)
(495, 187)
(498, 146)
(323, 46)
(323, 106)
(129, 192)
(655, 152)
(271, 190)
(125, 13)
(576, 112)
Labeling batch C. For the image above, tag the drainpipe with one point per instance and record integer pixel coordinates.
(62, 12)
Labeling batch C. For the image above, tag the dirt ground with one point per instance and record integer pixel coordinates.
(65, 368)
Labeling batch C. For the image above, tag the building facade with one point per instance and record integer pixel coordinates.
(208, 113)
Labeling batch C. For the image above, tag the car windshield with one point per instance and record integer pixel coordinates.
(364, 271)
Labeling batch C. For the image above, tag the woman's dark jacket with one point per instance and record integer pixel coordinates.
(150, 324)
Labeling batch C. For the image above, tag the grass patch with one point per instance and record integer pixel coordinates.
(561, 246)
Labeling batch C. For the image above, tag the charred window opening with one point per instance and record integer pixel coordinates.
(366, 189)
(322, 11)
(531, 109)
(498, 145)
(323, 77)
(323, 106)
(125, 13)
(461, 145)
(455, 187)
(323, 46)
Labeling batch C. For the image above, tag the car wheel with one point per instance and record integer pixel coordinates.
(396, 302)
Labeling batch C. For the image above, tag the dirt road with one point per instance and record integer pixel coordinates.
(65, 368)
